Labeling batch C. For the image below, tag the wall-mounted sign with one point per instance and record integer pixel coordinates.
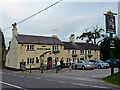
(110, 24)
(43, 48)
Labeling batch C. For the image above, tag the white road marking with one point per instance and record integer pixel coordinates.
(4, 73)
(49, 79)
(21, 76)
(90, 85)
(12, 85)
(14, 74)
(37, 78)
(61, 82)
(98, 86)
(8, 73)
(27, 76)
(80, 84)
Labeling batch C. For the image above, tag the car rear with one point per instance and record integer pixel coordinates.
(89, 65)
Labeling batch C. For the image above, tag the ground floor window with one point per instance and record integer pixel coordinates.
(77, 60)
(81, 58)
(68, 60)
(37, 60)
(30, 60)
(56, 59)
(74, 59)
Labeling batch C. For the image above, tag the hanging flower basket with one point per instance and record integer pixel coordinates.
(74, 55)
(90, 55)
(56, 51)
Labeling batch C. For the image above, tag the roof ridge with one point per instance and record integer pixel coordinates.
(34, 36)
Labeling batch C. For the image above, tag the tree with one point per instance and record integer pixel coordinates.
(94, 36)
(2, 46)
(105, 51)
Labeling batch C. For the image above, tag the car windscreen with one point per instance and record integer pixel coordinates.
(100, 61)
(86, 61)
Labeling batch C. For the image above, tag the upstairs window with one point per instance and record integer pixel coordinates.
(55, 47)
(89, 52)
(81, 51)
(30, 47)
(73, 51)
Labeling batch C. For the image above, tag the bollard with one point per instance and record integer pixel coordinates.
(30, 68)
(56, 69)
(22, 70)
(42, 69)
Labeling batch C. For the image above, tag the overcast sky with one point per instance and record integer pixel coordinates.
(67, 17)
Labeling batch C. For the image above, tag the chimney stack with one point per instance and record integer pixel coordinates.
(14, 30)
(54, 36)
(72, 38)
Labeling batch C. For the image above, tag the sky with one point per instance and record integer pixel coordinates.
(67, 17)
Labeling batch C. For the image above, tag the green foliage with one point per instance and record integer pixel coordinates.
(92, 36)
(3, 46)
(105, 51)
(114, 79)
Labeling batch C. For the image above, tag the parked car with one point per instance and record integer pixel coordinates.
(99, 63)
(115, 62)
(84, 65)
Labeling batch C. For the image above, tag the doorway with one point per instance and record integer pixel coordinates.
(48, 60)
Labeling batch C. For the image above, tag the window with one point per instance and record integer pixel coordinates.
(81, 58)
(27, 47)
(74, 59)
(30, 60)
(73, 51)
(81, 51)
(89, 52)
(77, 60)
(68, 59)
(30, 47)
(56, 59)
(55, 47)
(37, 60)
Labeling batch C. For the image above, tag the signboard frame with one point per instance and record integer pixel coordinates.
(110, 24)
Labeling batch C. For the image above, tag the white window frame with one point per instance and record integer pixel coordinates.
(74, 59)
(81, 51)
(55, 47)
(30, 47)
(89, 52)
(73, 51)
(56, 59)
(30, 60)
(68, 59)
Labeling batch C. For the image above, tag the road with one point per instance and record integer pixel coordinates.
(72, 79)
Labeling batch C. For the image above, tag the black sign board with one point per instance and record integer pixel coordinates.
(110, 24)
(112, 43)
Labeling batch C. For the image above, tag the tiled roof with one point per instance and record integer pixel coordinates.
(80, 46)
(30, 39)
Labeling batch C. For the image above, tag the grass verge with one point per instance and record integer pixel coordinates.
(114, 79)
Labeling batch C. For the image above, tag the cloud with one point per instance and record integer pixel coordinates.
(67, 18)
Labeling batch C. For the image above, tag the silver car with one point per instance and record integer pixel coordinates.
(100, 64)
(84, 65)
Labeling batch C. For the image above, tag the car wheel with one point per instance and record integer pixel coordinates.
(99, 67)
(83, 67)
(92, 68)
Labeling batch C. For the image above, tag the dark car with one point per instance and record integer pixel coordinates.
(115, 62)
